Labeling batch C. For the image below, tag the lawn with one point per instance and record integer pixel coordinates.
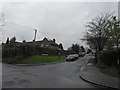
(33, 59)
(112, 71)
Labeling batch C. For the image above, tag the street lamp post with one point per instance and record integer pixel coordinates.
(34, 39)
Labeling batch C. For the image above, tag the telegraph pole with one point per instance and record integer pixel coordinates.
(2, 19)
(2, 23)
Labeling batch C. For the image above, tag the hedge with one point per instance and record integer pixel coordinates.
(110, 57)
(28, 50)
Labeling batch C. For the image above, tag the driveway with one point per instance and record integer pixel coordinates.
(60, 75)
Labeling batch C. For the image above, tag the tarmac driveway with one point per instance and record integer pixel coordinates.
(60, 75)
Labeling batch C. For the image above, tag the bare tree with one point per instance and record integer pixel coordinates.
(97, 31)
(96, 35)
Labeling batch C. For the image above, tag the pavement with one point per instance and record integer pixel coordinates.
(92, 74)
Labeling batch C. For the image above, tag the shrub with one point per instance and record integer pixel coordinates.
(17, 59)
(26, 50)
(109, 57)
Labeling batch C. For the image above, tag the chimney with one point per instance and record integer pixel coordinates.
(54, 40)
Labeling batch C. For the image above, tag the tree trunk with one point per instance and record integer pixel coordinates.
(96, 57)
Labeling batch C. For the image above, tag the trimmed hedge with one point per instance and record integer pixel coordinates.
(110, 57)
(28, 50)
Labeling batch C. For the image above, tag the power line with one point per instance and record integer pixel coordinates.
(2, 19)
(23, 26)
(48, 33)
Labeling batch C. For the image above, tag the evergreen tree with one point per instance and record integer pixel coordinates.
(82, 49)
(12, 40)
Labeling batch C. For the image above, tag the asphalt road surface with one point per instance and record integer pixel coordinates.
(60, 75)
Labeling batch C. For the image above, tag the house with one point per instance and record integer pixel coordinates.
(48, 43)
(43, 47)
(45, 43)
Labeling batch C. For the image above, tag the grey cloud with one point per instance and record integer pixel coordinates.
(64, 21)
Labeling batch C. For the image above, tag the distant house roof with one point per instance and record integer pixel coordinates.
(45, 43)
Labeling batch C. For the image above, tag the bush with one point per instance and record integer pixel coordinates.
(9, 52)
(17, 59)
(25, 50)
(109, 57)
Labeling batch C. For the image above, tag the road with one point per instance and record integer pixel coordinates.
(60, 75)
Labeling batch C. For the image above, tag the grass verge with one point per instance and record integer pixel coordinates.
(109, 70)
(112, 71)
(33, 59)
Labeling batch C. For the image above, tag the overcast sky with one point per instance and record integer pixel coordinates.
(64, 21)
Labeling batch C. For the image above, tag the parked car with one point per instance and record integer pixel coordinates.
(76, 56)
(72, 57)
(82, 54)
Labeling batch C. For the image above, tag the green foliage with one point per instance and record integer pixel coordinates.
(113, 71)
(82, 49)
(32, 59)
(109, 57)
(75, 48)
(27, 50)
(109, 44)
(96, 36)
(12, 40)
(17, 59)
(113, 30)
(43, 59)
(104, 31)
(8, 52)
